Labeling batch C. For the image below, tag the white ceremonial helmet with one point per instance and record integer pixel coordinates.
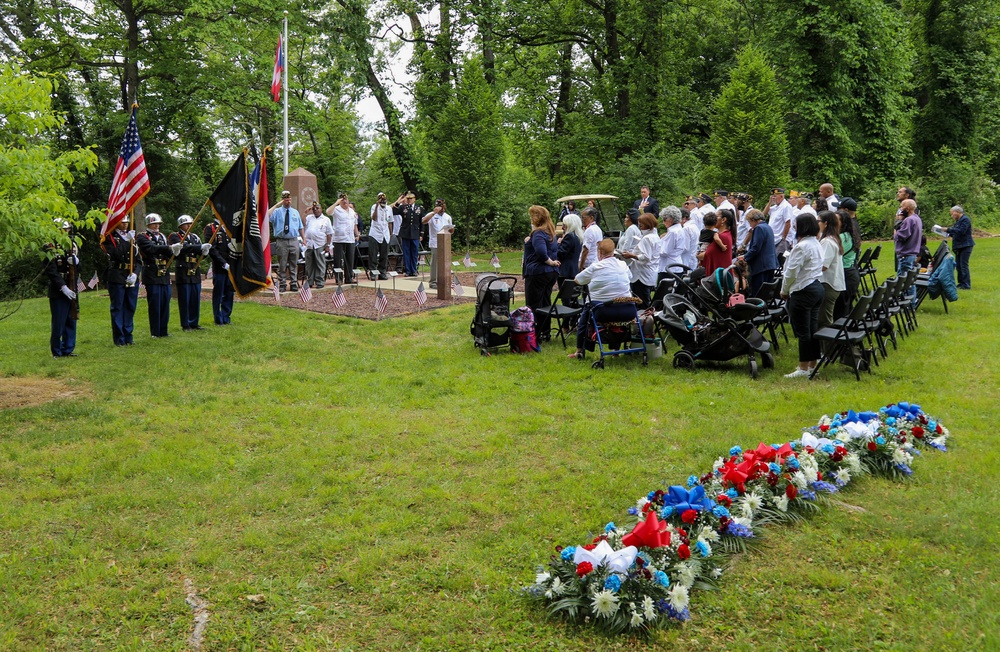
(62, 224)
(153, 218)
(184, 219)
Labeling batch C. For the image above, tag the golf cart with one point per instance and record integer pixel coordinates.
(608, 217)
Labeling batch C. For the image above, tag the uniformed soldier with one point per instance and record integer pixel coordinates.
(222, 286)
(188, 250)
(121, 275)
(63, 273)
(156, 256)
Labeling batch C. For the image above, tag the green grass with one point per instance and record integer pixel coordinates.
(385, 487)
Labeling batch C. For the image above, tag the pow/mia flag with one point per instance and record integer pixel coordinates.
(231, 204)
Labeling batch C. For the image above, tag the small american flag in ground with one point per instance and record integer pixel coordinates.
(495, 260)
(93, 282)
(420, 294)
(338, 298)
(305, 294)
(381, 303)
(209, 275)
(277, 295)
(80, 286)
(456, 286)
(421, 260)
(467, 261)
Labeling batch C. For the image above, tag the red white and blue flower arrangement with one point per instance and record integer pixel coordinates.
(639, 578)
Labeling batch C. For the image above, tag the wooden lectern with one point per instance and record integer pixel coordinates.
(442, 260)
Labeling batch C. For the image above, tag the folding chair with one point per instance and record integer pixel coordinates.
(924, 280)
(851, 333)
(775, 315)
(868, 279)
(566, 309)
(862, 265)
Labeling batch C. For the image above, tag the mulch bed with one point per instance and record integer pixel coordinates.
(360, 302)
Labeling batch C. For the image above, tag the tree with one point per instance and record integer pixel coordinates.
(748, 149)
(468, 155)
(33, 180)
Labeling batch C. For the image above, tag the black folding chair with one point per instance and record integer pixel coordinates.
(840, 341)
(566, 309)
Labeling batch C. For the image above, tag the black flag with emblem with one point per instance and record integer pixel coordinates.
(231, 203)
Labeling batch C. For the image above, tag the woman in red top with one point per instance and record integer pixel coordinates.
(715, 257)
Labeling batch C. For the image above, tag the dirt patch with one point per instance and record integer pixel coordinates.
(360, 302)
(18, 392)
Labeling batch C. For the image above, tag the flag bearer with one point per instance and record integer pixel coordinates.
(124, 265)
(222, 286)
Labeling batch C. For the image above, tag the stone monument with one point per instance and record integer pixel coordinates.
(302, 184)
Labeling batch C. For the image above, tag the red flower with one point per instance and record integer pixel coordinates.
(639, 562)
(918, 432)
(589, 546)
(583, 568)
(938, 429)
(791, 492)
(923, 419)
(872, 446)
(683, 552)
(723, 500)
(689, 516)
(603, 537)
(772, 478)
(819, 476)
(824, 428)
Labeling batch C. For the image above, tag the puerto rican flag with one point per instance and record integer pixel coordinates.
(279, 68)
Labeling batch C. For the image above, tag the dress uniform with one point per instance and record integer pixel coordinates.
(156, 274)
(63, 273)
(124, 266)
(187, 250)
(222, 286)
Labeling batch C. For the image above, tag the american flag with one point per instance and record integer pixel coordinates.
(80, 286)
(420, 294)
(93, 281)
(338, 297)
(456, 286)
(421, 260)
(130, 182)
(467, 261)
(495, 260)
(305, 293)
(209, 274)
(277, 295)
(381, 303)
(279, 67)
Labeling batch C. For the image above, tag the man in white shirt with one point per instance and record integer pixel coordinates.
(319, 236)
(722, 201)
(782, 216)
(379, 233)
(592, 234)
(437, 221)
(705, 206)
(832, 200)
(673, 243)
(801, 202)
(345, 235)
(692, 233)
(607, 279)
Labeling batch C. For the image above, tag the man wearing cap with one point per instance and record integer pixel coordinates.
(188, 252)
(63, 271)
(704, 207)
(409, 230)
(345, 235)
(319, 242)
(223, 292)
(437, 221)
(722, 201)
(379, 233)
(781, 217)
(124, 265)
(645, 203)
(156, 256)
(832, 200)
(286, 225)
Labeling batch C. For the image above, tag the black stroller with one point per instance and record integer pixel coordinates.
(491, 324)
(729, 335)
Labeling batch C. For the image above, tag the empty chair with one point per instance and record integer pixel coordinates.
(841, 341)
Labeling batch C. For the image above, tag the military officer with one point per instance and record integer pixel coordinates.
(222, 286)
(121, 276)
(188, 250)
(63, 273)
(156, 256)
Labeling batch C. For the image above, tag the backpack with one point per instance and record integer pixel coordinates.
(522, 331)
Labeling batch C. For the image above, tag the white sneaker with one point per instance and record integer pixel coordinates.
(798, 373)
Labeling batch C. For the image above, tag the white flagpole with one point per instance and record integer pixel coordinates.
(284, 44)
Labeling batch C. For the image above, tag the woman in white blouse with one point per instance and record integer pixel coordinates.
(833, 265)
(802, 289)
(645, 258)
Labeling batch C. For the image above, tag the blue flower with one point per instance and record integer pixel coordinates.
(720, 511)
(794, 445)
(651, 495)
(702, 548)
(793, 463)
(891, 421)
(568, 552)
(774, 468)
(893, 431)
(610, 527)
(932, 426)
(940, 447)
(904, 469)
(805, 494)
(732, 494)
(682, 615)
(827, 448)
(661, 578)
(775, 446)
(633, 511)
(666, 511)
(692, 481)
(835, 423)
(662, 606)
(735, 450)
(613, 583)
(738, 530)
(880, 440)
(819, 485)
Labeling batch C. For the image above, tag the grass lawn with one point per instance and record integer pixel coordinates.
(385, 487)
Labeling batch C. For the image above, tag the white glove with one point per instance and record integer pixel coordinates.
(130, 280)
(70, 294)
(205, 247)
(75, 260)
(225, 266)
(176, 248)
(127, 235)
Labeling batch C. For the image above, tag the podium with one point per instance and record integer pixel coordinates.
(442, 261)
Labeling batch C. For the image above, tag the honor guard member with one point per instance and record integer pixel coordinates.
(188, 251)
(63, 273)
(222, 286)
(409, 230)
(121, 276)
(156, 256)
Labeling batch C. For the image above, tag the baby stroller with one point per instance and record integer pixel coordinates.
(491, 324)
(729, 335)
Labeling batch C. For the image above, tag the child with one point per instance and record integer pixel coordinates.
(710, 234)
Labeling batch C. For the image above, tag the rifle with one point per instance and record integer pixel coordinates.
(74, 311)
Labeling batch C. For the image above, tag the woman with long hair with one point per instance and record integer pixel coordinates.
(802, 290)
(570, 246)
(850, 241)
(716, 256)
(540, 267)
(833, 265)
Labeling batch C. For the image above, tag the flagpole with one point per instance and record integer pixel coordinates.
(284, 44)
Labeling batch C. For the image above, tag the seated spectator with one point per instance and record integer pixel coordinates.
(607, 280)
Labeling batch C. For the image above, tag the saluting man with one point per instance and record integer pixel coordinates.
(124, 265)
(63, 273)
(156, 274)
(188, 250)
(222, 286)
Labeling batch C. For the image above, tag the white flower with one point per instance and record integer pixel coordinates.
(781, 502)
(843, 434)
(708, 535)
(716, 572)
(753, 501)
(648, 609)
(745, 522)
(799, 479)
(685, 573)
(555, 589)
(808, 464)
(678, 597)
(541, 578)
(853, 463)
(901, 457)
(940, 441)
(718, 464)
(825, 420)
(639, 504)
(636, 619)
(605, 603)
(844, 475)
